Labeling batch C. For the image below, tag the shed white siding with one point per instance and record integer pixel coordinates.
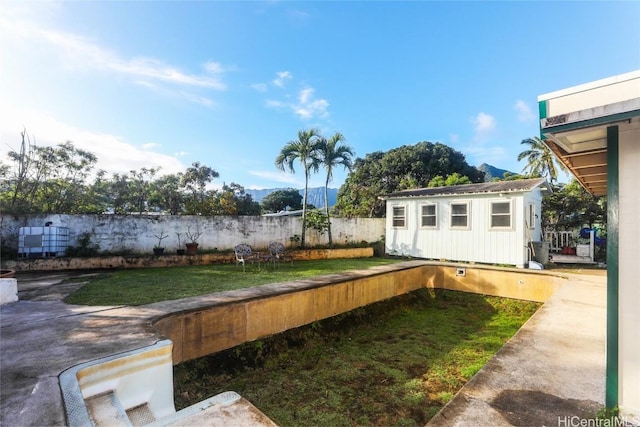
(479, 241)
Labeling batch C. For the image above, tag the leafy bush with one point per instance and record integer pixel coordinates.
(85, 248)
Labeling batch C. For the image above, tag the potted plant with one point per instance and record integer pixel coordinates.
(180, 250)
(158, 249)
(192, 245)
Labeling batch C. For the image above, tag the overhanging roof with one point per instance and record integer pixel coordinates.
(574, 122)
(497, 187)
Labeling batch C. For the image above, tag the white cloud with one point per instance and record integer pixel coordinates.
(260, 87)
(316, 108)
(150, 145)
(272, 103)
(480, 153)
(80, 52)
(282, 77)
(214, 67)
(483, 123)
(196, 99)
(525, 114)
(280, 81)
(305, 95)
(305, 106)
(482, 148)
(167, 92)
(113, 153)
(308, 108)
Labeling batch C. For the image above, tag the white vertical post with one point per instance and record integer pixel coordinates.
(592, 239)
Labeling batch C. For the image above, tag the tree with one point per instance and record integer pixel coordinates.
(166, 194)
(232, 200)
(47, 179)
(453, 179)
(17, 188)
(195, 181)
(305, 151)
(98, 201)
(278, 200)
(317, 220)
(541, 161)
(408, 166)
(333, 153)
(508, 176)
(140, 182)
(119, 192)
(570, 207)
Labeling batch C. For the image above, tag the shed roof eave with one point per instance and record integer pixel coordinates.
(445, 195)
(432, 192)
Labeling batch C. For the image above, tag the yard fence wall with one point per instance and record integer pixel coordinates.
(136, 234)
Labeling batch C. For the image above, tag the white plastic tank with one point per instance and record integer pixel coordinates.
(42, 242)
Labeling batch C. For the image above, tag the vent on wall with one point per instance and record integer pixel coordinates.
(461, 272)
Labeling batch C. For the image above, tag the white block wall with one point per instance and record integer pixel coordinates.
(116, 233)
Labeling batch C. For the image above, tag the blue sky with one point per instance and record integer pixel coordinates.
(228, 84)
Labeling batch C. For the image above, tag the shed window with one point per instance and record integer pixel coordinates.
(399, 219)
(501, 214)
(460, 215)
(429, 216)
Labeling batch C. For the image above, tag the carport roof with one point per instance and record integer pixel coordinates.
(574, 122)
(520, 185)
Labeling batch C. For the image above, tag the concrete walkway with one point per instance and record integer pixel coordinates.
(551, 373)
(41, 336)
(554, 367)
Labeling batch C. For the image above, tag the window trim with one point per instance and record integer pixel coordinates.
(532, 216)
(423, 216)
(466, 203)
(491, 215)
(404, 216)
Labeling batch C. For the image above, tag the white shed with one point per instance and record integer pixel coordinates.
(491, 222)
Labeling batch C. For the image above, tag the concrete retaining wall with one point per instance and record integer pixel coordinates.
(107, 262)
(136, 233)
(198, 330)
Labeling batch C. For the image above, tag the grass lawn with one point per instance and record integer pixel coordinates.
(144, 286)
(396, 362)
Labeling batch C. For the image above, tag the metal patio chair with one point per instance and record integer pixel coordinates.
(244, 254)
(277, 253)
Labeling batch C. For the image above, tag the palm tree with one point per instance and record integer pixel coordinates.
(333, 153)
(305, 150)
(541, 161)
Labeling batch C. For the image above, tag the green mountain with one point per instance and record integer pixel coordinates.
(491, 172)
